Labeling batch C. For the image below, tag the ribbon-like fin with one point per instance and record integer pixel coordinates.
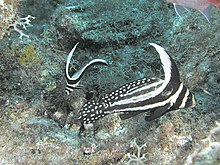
(74, 80)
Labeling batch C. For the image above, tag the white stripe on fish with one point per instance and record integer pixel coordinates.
(72, 82)
(153, 95)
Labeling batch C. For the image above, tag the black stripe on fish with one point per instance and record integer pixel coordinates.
(94, 110)
(189, 101)
(154, 95)
(72, 82)
(133, 89)
(180, 98)
(144, 103)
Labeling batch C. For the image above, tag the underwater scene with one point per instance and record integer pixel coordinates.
(110, 82)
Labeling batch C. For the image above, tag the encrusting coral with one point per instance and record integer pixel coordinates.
(209, 151)
(139, 158)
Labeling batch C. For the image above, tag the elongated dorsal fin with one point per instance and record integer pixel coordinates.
(169, 66)
(68, 62)
(74, 80)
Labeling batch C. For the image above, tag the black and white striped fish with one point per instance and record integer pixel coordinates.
(153, 95)
(73, 82)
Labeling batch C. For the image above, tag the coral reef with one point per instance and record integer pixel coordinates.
(9, 19)
(208, 151)
(137, 159)
(109, 24)
(39, 122)
(29, 56)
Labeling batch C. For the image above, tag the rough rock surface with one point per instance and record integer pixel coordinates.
(38, 122)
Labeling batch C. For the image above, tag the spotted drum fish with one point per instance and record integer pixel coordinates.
(73, 82)
(200, 5)
(154, 95)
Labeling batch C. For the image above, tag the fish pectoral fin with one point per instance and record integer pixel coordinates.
(157, 113)
(127, 115)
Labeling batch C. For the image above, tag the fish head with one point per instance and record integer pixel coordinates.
(190, 102)
(184, 100)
